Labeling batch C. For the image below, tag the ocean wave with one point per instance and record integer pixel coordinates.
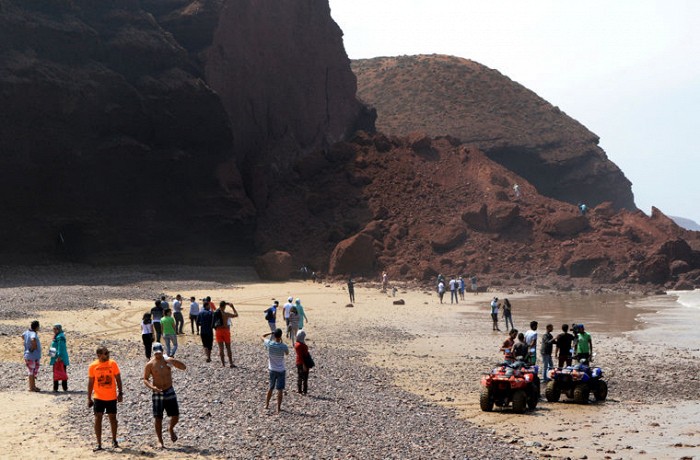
(690, 299)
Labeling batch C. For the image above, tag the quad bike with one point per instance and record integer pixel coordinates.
(515, 383)
(577, 382)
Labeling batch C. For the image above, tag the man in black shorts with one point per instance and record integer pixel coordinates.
(104, 378)
(157, 376)
(563, 342)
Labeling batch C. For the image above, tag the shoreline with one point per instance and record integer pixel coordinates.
(436, 352)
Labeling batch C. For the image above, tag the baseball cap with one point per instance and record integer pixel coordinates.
(157, 348)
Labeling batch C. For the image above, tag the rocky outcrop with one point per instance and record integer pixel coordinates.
(274, 266)
(352, 256)
(444, 95)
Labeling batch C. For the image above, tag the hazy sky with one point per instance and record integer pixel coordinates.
(629, 70)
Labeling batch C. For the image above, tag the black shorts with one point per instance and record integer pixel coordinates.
(207, 340)
(167, 401)
(100, 406)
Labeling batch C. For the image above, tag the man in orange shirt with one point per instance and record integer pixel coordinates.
(103, 380)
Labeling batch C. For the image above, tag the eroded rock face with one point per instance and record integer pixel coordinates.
(354, 255)
(274, 266)
(445, 95)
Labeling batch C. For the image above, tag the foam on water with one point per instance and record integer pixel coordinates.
(690, 299)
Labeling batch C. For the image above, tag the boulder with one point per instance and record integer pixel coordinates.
(584, 267)
(476, 217)
(502, 216)
(274, 266)
(678, 267)
(448, 237)
(677, 249)
(654, 270)
(564, 224)
(353, 255)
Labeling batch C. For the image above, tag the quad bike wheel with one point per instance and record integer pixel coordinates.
(485, 400)
(601, 393)
(533, 395)
(552, 392)
(519, 401)
(581, 393)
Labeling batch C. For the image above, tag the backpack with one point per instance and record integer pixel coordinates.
(269, 316)
(218, 319)
(309, 361)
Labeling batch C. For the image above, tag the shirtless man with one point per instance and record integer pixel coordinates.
(158, 377)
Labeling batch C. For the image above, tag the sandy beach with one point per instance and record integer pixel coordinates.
(417, 364)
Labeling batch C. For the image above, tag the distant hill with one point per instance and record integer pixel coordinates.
(445, 95)
(687, 224)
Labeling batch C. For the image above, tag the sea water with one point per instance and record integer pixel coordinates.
(689, 299)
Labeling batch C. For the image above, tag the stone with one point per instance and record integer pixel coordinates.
(274, 266)
(353, 255)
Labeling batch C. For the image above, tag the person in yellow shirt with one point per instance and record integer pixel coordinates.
(103, 392)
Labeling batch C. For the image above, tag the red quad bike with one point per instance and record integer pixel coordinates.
(515, 383)
(576, 382)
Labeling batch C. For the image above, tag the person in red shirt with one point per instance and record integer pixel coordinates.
(301, 350)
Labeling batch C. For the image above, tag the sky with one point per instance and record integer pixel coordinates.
(628, 70)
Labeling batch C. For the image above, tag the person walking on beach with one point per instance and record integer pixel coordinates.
(508, 344)
(271, 315)
(584, 344)
(546, 352)
(177, 314)
(147, 334)
(564, 343)
(205, 321)
(157, 376)
(59, 358)
(32, 353)
(454, 287)
(194, 311)
(531, 340)
(351, 289)
(494, 314)
(508, 313)
(301, 350)
(441, 290)
(156, 316)
(293, 324)
(475, 290)
(223, 332)
(385, 281)
(300, 310)
(287, 308)
(276, 350)
(169, 332)
(462, 287)
(164, 303)
(104, 390)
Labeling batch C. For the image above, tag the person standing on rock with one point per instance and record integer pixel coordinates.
(156, 316)
(508, 313)
(32, 353)
(194, 311)
(516, 191)
(531, 341)
(351, 289)
(494, 314)
(276, 350)
(546, 352)
(177, 314)
(157, 375)
(105, 385)
(205, 322)
(223, 332)
(59, 358)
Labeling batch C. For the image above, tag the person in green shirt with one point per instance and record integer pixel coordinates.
(584, 344)
(169, 332)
